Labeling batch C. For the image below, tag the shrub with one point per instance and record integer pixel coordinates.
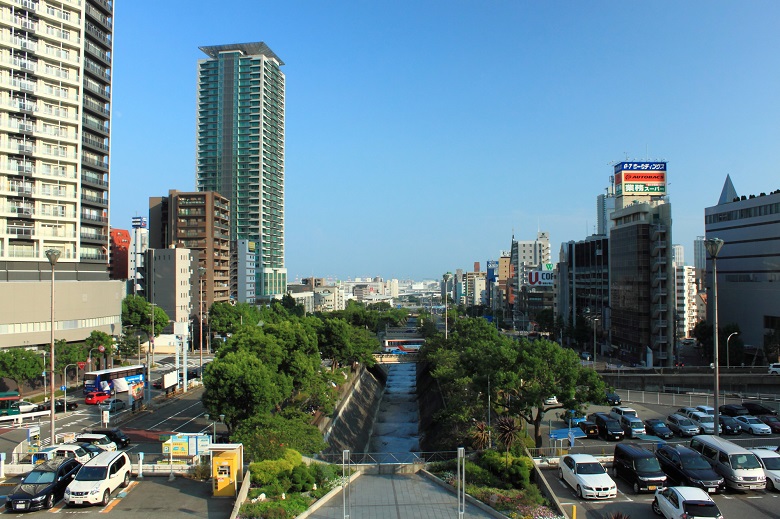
(517, 473)
(265, 472)
(291, 507)
(301, 478)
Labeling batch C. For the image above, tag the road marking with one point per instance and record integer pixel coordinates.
(123, 493)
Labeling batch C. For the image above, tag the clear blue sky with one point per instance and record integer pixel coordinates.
(420, 136)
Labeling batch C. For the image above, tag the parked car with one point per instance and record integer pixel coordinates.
(632, 426)
(656, 427)
(682, 425)
(586, 355)
(92, 449)
(637, 466)
(772, 421)
(733, 410)
(753, 425)
(680, 502)
(613, 399)
(756, 409)
(551, 400)
(587, 477)
(609, 428)
(770, 461)
(729, 425)
(22, 406)
(619, 411)
(115, 434)
(59, 406)
(774, 369)
(95, 397)
(706, 422)
(98, 478)
(590, 429)
(706, 409)
(43, 486)
(687, 467)
(113, 405)
(687, 411)
(157, 384)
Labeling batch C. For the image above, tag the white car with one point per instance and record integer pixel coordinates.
(770, 461)
(551, 400)
(684, 503)
(706, 409)
(587, 477)
(753, 425)
(24, 407)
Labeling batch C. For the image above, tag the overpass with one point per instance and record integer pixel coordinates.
(396, 358)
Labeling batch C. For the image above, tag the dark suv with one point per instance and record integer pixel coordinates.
(114, 434)
(639, 467)
(733, 410)
(609, 428)
(687, 467)
(43, 486)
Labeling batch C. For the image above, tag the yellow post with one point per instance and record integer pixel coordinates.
(573, 511)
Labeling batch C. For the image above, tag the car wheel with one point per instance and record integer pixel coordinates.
(106, 497)
(126, 481)
(636, 487)
(579, 492)
(49, 503)
(656, 508)
(769, 485)
(614, 471)
(560, 473)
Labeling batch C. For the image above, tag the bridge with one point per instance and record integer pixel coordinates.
(396, 358)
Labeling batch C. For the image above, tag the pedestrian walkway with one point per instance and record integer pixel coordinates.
(396, 496)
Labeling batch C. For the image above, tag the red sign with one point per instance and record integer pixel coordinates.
(81, 365)
(101, 348)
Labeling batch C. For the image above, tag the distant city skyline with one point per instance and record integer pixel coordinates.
(420, 137)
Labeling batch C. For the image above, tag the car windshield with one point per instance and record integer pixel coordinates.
(91, 474)
(701, 509)
(771, 463)
(744, 461)
(695, 463)
(590, 468)
(706, 419)
(751, 420)
(37, 477)
(771, 419)
(648, 465)
(685, 421)
(613, 426)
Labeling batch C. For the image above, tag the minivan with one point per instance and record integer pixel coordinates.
(738, 466)
(632, 426)
(609, 428)
(774, 369)
(115, 434)
(98, 478)
(639, 467)
(706, 422)
(682, 425)
(101, 440)
(619, 411)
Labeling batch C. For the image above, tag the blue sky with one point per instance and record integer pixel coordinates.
(420, 136)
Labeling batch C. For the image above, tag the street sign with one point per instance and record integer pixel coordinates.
(81, 365)
(63, 388)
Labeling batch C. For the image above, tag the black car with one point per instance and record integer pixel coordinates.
(92, 449)
(590, 429)
(59, 406)
(43, 486)
(114, 434)
(733, 410)
(687, 467)
(656, 427)
(757, 409)
(729, 425)
(613, 399)
(609, 428)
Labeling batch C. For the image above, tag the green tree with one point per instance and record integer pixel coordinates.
(137, 316)
(265, 437)
(21, 365)
(546, 320)
(239, 385)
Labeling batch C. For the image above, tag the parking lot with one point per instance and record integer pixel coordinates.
(733, 504)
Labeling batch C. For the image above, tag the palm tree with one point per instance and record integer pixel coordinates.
(480, 436)
(508, 428)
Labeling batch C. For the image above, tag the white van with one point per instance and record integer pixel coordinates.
(98, 478)
(738, 466)
(100, 440)
(632, 426)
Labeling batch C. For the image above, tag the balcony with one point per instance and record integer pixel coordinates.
(99, 35)
(93, 180)
(94, 144)
(106, 5)
(659, 262)
(94, 162)
(95, 200)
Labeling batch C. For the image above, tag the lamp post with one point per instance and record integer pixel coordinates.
(201, 273)
(52, 255)
(713, 246)
(446, 300)
(45, 385)
(728, 360)
(100, 348)
(65, 385)
(595, 320)
(214, 426)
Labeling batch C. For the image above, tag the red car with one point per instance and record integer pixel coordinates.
(772, 421)
(96, 397)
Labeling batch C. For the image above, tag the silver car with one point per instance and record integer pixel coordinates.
(682, 425)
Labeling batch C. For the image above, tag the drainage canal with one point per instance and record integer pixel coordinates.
(396, 426)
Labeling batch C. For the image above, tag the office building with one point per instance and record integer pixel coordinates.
(197, 221)
(243, 262)
(172, 283)
(139, 244)
(55, 89)
(678, 254)
(119, 261)
(605, 206)
(748, 273)
(527, 258)
(240, 149)
(641, 275)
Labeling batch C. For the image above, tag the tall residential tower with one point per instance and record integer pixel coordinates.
(240, 149)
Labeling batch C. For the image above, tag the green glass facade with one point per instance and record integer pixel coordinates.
(240, 149)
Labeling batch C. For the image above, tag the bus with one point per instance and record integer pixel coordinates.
(126, 379)
(6, 399)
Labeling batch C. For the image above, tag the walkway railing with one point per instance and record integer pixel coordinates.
(389, 458)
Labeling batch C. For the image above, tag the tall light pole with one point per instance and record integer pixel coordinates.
(728, 360)
(713, 246)
(446, 300)
(65, 383)
(201, 273)
(52, 255)
(595, 320)
(45, 390)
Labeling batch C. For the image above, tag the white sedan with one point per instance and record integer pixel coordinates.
(753, 425)
(587, 477)
(684, 502)
(770, 461)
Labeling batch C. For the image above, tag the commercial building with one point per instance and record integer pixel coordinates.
(530, 294)
(685, 298)
(55, 89)
(240, 149)
(119, 264)
(139, 244)
(748, 265)
(641, 275)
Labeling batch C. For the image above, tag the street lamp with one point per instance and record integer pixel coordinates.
(446, 300)
(595, 320)
(713, 246)
(101, 349)
(728, 361)
(214, 426)
(65, 385)
(45, 390)
(201, 273)
(52, 255)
